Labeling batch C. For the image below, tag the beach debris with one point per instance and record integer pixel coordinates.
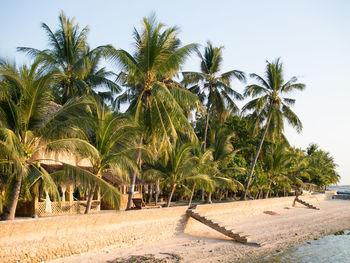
(338, 233)
(149, 258)
(271, 213)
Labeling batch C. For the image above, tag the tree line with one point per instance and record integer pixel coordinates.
(182, 133)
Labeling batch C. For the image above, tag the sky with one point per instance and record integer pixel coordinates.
(312, 38)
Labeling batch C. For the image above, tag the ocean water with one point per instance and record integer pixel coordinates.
(342, 188)
(331, 248)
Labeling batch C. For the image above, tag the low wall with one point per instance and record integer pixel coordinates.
(36, 240)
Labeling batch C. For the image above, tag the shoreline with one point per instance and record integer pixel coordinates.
(290, 227)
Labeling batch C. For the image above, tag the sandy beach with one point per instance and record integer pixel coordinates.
(288, 227)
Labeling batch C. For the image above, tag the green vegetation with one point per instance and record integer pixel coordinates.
(64, 102)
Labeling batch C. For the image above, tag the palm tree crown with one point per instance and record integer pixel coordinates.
(155, 99)
(211, 86)
(75, 63)
(270, 104)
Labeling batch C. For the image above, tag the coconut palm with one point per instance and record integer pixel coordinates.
(213, 87)
(204, 169)
(269, 107)
(26, 123)
(321, 167)
(223, 153)
(94, 80)
(111, 135)
(77, 65)
(178, 168)
(155, 99)
(275, 163)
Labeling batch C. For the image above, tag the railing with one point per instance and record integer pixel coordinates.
(66, 208)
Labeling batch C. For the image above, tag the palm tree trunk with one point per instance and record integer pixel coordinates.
(67, 91)
(133, 178)
(149, 193)
(89, 201)
(202, 195)
(11, 208)
(257, 194)
(221, 195)
(209, 198)
(244, 193)
(171, 195)
(157, 192)
(192, 193)
(206, 129)
(268, 191)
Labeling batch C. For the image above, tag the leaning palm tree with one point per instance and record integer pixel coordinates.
(70, 55)
(155, 99)
(270, 108)
(26, 124)
(213, 87)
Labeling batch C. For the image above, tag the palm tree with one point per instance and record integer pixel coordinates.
(270, 107)
(321, 167)
(213, 87)
(111, 135)
(223, 153)
(275, 163)
(155, 99)
(96, 81)
(177, 168)
(77, 65)
(26, 124)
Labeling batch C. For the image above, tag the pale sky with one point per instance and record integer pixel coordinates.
(312, 37)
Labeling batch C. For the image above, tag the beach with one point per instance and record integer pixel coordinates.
(288, 226)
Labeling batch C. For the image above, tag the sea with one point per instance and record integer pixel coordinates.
(328, 249)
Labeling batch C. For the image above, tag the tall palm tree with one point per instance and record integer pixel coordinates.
(111, 136)
(213, 87)
(271, 108)
(26, 124)
(77, 65)
(155, 99)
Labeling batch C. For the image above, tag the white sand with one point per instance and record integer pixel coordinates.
(290, 227)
